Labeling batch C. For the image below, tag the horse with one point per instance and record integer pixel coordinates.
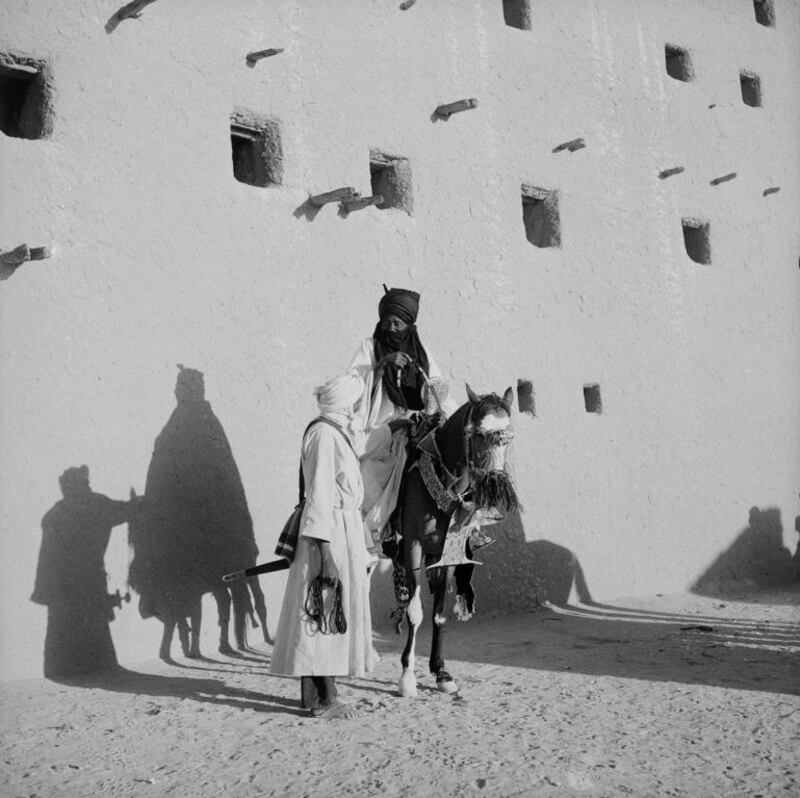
(456, 479)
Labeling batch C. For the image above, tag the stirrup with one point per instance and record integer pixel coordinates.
(455, 549)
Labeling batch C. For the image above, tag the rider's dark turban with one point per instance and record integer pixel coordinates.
(401, 303)
(404, 387)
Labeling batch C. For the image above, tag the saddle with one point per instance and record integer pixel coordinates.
(424, 455)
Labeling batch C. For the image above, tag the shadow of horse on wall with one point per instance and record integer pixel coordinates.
(520, 574)
(195, 527)
(516, 575)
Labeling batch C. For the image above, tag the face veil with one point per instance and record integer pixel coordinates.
(403, 388)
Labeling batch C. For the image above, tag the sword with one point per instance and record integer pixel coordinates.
(264, 568)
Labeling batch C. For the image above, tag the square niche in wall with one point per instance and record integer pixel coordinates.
(697, 240)
(390, 176)
(540, 216)
(526, 398)
(256, 149)
(25, 98)
(517, 13)
(592, 400)
(765, 12)
(751, 88)
(679, 63)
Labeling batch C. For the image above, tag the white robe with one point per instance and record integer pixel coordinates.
(382, 464)
(332, 512)
(376, 407)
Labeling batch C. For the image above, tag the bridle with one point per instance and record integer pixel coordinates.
(488, 440)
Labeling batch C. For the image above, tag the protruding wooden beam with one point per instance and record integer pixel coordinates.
(14, 258)
(724, 179)
(255, 56)
(575, 144)
(406, 4)
(358, 203)
(337, 195)
(445, 111)
(675, 170)
(771, 190)
(40, 253)
(132, 10)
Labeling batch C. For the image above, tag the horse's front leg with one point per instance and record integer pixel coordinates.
(223, 599)
(165, 650)
(407, 686)
(242, 609)
(260, 607)
(438, 583)
(195, 619)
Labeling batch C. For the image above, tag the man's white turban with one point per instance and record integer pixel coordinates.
(340, 393)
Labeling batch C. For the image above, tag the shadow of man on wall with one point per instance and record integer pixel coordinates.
(195, 528)
(71, 578)
(756, 559)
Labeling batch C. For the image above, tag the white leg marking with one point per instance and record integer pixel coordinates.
(415, 609)
(407, 686)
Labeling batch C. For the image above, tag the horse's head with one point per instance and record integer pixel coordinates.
(487, 430)
(485, 422)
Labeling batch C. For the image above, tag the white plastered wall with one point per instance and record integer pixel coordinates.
(161, 257)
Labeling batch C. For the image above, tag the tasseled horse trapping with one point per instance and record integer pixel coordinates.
(495, 489)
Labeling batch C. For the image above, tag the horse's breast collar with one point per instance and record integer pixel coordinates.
(439, 493)
(428, 445)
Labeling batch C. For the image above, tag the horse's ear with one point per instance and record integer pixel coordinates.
(508, 397)
(471, 395)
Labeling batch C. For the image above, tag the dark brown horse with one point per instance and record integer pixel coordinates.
(457, 479)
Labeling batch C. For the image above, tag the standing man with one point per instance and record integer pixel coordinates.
(325, 627)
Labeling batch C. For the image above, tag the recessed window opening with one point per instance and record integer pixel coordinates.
(256, 150)
(517, 13)
(390, 176)
(540, 216)
(25, 102)
(526, 399)
(591, 398)
(679, 63)
(765, 12)
(751, 88)
(697, 239)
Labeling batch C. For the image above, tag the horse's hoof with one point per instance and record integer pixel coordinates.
(446, 684)
(407, 688)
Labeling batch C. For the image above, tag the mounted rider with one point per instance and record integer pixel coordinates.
(401, 380)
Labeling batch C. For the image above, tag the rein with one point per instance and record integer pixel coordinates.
(335, 623)
(442, 488)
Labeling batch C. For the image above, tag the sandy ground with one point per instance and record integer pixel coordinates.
(668, 695)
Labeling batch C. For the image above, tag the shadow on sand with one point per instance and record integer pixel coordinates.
(203, 690)
(557, 627)
(629, 643)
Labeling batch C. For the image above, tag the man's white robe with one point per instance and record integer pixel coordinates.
(332, 512)
(382, 467)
